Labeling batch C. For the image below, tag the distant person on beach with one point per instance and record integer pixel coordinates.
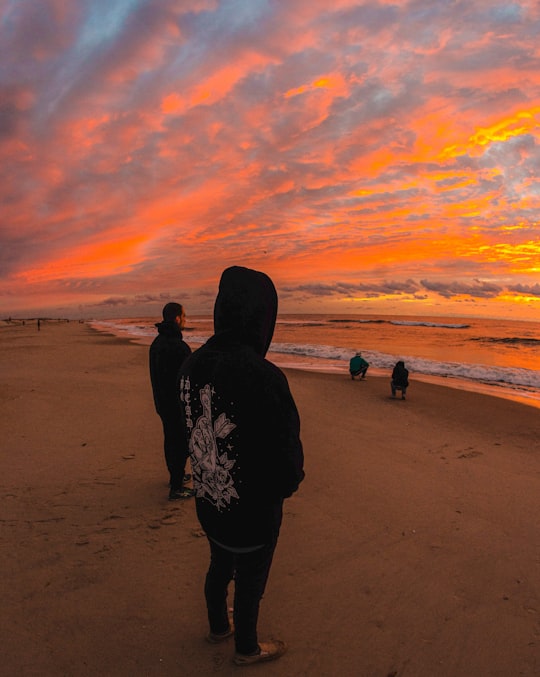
(246, 455)
(167, 353)
(400, 379)
(358, 366)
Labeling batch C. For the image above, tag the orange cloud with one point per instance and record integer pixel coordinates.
(213, 87)
(92, 260)
(522, 258)
(334, 82)
(522, 122)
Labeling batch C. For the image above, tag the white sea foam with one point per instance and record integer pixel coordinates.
(412, 323)
(402, 323)
(474, 372)
(333, 358)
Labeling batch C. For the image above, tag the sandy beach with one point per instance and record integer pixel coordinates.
(411, 550)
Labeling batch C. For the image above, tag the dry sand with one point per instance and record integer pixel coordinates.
(412, 548)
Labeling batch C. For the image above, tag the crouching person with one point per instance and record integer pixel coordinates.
(400, 379)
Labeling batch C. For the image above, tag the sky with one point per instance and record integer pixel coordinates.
(377, 157)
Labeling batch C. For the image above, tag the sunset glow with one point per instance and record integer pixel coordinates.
(372, 157)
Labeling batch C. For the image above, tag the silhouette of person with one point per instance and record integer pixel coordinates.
(358, 366)
(167, 353)
(246, 455)
(400, 379)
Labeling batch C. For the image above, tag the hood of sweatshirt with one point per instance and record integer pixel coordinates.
(168, 328)
(246, 308)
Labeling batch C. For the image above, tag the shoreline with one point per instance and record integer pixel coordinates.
(411, 545)
(452, 382)
(290, 362)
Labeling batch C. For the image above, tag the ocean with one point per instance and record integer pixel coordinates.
(498, 357)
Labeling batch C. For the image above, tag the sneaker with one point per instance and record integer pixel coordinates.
(185, 480)
(268, 651)
(178, 494)
(215, 638)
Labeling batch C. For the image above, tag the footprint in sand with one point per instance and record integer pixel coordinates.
(470, 454)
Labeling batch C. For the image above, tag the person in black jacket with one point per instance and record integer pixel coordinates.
(167, 353)
(400, 379)
(246, 455)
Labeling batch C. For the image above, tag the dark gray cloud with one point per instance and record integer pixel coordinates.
(476, 289)
(525, 289)
(350, 289)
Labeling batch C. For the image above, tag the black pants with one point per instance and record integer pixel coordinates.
(250, 572)
(175, 447)
(397, 386)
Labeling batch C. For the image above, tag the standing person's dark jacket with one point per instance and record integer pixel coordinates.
(241, 419)
(167, 353)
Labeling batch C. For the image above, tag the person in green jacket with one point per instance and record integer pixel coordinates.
(358, 366)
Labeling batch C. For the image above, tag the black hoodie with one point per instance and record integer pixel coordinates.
(167, 352)
(400, 375)
(241, 420)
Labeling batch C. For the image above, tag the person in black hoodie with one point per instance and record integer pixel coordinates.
(167, 353)
(246, 455)
(400, 379)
